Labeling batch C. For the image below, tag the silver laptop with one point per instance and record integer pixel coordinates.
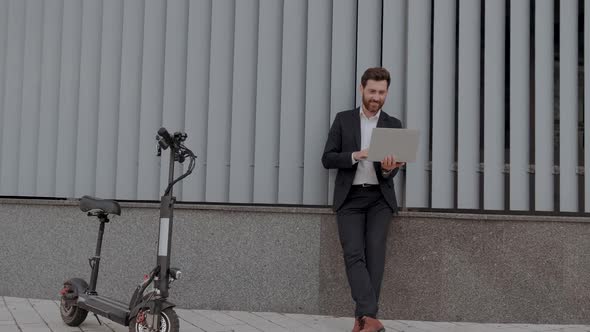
(400, 142)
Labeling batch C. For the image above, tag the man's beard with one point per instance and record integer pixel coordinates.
(372, 107)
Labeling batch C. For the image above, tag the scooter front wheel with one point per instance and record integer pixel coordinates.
(168, 322)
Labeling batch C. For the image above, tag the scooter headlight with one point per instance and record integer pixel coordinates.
(175, 273)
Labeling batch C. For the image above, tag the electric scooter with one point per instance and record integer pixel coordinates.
(148, 309)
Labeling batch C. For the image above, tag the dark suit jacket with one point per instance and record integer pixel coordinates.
(344, 139)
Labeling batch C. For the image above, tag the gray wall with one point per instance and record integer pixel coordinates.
(488, 268)
(85, 84)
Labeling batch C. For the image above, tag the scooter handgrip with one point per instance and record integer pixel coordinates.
(165, 135)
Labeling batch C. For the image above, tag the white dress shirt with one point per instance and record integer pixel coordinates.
(365, 172)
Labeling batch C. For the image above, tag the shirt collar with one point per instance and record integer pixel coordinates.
(376, 116)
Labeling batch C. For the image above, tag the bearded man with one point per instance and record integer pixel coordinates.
(364, 196)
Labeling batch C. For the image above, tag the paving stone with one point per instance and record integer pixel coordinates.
(242, 328)
(188, 327)
(22, 311)
(47, 310)
(282, 320)
(256, 321)
(220, 317)
(115, 326)
(9, 328)
(5, 316)
(337, 324)
(574, 328)
(202, 322)
(395, 326)
(317, 323)
(34, 328)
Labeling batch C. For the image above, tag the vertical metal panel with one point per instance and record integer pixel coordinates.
(268, 94)
(394, 54)
(368, 38)
(468, 149)
(317, 99)
(568, 105)
(68, 99)
(417, 98)
(12, 98)
(587, 104)
(443, 103)
(220, 103)
(130, 100)
(343, 85)
(50, 78)
(85, 182)
(519, 104)
(110, 79)
(29, 131)
(544, 105)
(292, 123)
(174, 80)
(394, 59)
(197, 96)
(152, 87)
(3, 42)
(495, 25)
(241, 176)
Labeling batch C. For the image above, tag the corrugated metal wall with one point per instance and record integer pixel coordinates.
(84, 85)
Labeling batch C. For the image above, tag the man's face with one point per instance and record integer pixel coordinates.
(374, 94)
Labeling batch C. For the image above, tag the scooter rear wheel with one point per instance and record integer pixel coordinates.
(72, 315)
(168, 322)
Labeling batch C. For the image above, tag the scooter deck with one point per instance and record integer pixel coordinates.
(112, 309)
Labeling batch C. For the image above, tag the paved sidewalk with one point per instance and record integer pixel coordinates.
(30, 315)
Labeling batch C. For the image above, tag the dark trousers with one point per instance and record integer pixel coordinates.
(363, 223)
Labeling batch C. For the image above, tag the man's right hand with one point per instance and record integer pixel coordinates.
(360, 155)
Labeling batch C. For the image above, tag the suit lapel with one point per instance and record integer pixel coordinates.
(381, 119)
(356, 119)
(380, 122)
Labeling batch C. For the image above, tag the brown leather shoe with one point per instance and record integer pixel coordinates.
(358, 324)
(372, 325)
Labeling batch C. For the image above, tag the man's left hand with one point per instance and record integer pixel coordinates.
(388, 164)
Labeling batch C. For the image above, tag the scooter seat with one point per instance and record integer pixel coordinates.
(108, 206)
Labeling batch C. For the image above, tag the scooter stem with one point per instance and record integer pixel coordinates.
(171, 168)
(165, 235)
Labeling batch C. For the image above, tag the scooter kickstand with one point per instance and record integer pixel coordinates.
(99, 322)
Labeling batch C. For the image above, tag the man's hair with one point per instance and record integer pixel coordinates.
(376, 74)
